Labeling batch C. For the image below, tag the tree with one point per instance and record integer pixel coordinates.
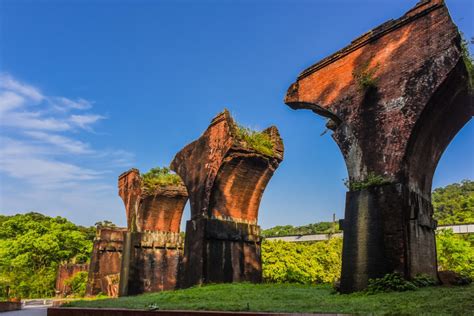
(455, 252)
(31, 248)
(454, 203)
(105, 223)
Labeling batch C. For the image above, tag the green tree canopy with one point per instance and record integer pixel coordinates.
(289, 230)
(33, 245)
(454, 203)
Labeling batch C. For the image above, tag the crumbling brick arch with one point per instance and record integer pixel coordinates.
(395, 97)
(239, 186)
(447, 112)
(225, 178)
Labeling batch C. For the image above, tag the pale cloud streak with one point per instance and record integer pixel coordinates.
(43, 154)
(7, 82)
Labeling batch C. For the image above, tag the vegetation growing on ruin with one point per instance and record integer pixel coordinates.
(468, 61)
(158, 177)
(364, 77)
(372, 180)
(454, 203)
(258, 141)
(301, 298)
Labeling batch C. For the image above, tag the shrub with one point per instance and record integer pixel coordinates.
(78, 283)
(371, 181)
(258, 141)
(158, 177)
(423, 280)
(455, 252)
(392, 282)
(307, 263)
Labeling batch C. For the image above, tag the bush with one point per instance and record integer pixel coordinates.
(392, 282)
(78, 283)
(258, 141)
(307, 263)
(423, 280)
(455, 252)
(158, 177)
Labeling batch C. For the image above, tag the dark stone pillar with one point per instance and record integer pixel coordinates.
(231, 252)
(225, 178)
(384, 227)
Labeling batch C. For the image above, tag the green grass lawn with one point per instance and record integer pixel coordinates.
(299, 298)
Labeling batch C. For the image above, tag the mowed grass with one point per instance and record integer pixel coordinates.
(299, 298)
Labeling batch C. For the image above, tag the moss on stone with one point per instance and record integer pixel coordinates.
(159, 177)
(372, 180)
(364, 77)
(258, 141)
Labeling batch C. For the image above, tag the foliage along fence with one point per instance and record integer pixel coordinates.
(320, 262)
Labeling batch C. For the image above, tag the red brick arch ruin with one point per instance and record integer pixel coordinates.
(394, 98)
(225, 178)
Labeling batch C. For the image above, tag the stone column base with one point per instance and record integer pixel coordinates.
(219, 251)
(387, 229)
(150, 262)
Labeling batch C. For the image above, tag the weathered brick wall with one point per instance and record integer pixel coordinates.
(151, 262)
(104, 270)
(397, 128)
(67, 271)
(153, 246)
(225, 180)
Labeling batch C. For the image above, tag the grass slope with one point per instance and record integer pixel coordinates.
(299, 298)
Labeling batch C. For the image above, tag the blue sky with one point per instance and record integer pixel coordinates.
(92, 88)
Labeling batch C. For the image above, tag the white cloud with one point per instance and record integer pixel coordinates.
(65, 104)
(62, 142)
(34, 165)
(33, 121)
(44, 159)
(83, 121)
(9, 101)
(7, 82)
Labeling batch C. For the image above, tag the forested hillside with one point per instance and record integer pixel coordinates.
(454, 204)
(32, 246)
(289, 230)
